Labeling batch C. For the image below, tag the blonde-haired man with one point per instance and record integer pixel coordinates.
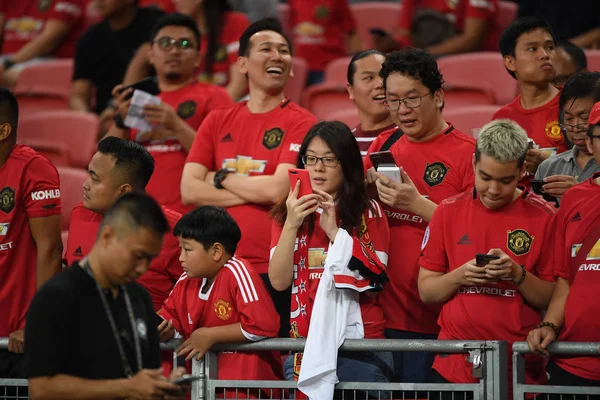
(498, 298)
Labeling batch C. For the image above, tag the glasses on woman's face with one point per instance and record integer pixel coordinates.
(331, 162)
(410, 102)
(574, 128)
(166, 43)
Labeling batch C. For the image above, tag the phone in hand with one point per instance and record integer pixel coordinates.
(382, 158)
(185, 379)
(481, 260)
(302, 175)
(147, 85)
(536, 186)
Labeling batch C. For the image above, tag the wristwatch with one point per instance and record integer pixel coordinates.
(220, 176)
(8, 63)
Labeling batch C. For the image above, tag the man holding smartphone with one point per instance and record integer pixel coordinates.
(498, 297)
(185, 103)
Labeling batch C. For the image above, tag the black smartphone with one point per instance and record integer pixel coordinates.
(536, 186)
(378, 32)
(186, 379)
(147, 85)
(382, 157)
(481, 260)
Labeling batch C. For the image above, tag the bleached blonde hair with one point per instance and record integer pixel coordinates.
(504, 140)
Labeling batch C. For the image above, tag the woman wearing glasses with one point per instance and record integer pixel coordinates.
(303, 230)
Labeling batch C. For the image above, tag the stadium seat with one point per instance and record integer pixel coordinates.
(459, 97)
(375, 14)
(67, 138)
(325, 98)
(483, 70)
(506, 14)
(348, 116)
(336, 71)
(44, 86)
(283, 11)
(297, 83)
(468, 118)
(593, 59)
(71, 192)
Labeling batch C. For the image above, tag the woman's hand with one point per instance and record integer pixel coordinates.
(328, 220)
(299, 208)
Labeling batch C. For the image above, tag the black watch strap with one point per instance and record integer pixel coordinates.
(8, 63)
(119, 121)
(220, 176)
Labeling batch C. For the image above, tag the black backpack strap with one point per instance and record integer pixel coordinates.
(391, 140)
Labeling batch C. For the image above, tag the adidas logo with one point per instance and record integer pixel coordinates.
(227, 138)
(78, 252)
(576, 217)
(464, 239)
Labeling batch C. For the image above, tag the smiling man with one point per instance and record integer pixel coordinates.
(499, 299)
(241, 154)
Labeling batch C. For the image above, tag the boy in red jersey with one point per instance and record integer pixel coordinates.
(30, 243)
(185, 104)
(497, 299)
(119, 167)
(435, 160)
(528, 48)
(572, 314)
(241, 154)
(219, 298)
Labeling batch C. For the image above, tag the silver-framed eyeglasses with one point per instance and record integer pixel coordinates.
(574, 128)
(166, 43)
(331, 162)
(410, 102)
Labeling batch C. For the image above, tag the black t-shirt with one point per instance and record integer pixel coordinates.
(567, 18)
(102, 56)
(68, 332)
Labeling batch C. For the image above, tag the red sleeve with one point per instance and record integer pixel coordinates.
(433, 251)
(347, 21)
(258, 317)
(203, 148)
(174, 302)
(293, 139)
(276, 230)
(544, 268)
(561, 249)
(69, 11)
(406, 14)
(482, 9)
(238, 23)
(379, 231)
(220, 98)
(41, 192)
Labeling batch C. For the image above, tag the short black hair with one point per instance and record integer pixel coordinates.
(130, 157)
(580, 85)
(138, 210)
(359, 56)
(510, 36)
(208, 225)
(265, 24)
(575, 52)
(9, 110)
(176, 19)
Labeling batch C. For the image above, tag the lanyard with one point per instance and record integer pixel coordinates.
(113, 325)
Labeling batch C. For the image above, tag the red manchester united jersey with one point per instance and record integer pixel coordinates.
(237, 295)
(318, 245)
(578, 216)
(523, 231)
(29, 188)
(440, 168)
(251, 145)
(192, 103)
(164, 270)
(320, 28)
(24, 20)
(541, 123)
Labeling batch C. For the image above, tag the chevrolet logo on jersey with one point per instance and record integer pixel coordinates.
(244, 165)
(593, 255)
(519, 242)
(4, 228)
(316, 258)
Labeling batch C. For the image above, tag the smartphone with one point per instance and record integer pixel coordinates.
(481, 260)
(147, 85)
(382, 157)
(378, 32)
(536, 186)
(185, 379)
(391, 172)
(302, 175)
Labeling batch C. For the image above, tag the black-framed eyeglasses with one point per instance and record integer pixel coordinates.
(574, 128)
(595, 137)
(331, 162)
(166, 43)
(410, 102)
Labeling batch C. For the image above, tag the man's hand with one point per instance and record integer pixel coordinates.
(540, 338)
(162, 114)
(199, 342)
(16, 341)
(122, 99)
(557, 185)
(502, 268)
(395, 194)
(151, 384)
(166, 330)
(470, 275)
(533, 159)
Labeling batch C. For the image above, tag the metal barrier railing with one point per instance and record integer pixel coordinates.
(490, 365)
(520, 389)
